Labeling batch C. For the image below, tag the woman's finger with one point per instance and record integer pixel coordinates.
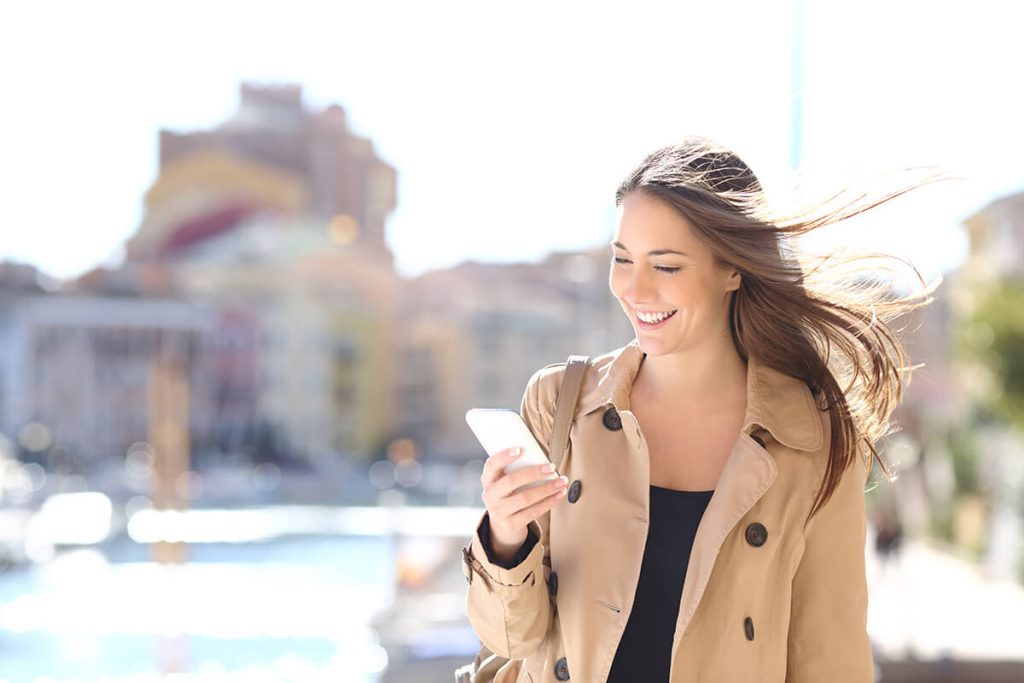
(504, 506)
(495, 465)
(508, 483)
(528, 514)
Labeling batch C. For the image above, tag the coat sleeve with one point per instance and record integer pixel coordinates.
(509, 608)
(828, 639)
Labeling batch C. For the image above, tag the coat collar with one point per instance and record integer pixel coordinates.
(781, 404)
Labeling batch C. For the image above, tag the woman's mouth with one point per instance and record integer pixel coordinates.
(652, 321)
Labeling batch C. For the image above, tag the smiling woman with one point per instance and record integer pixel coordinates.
(714, 526)
(823, 323)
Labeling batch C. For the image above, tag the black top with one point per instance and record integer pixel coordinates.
(645, 651)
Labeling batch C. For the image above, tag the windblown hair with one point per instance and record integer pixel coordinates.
(824, 320)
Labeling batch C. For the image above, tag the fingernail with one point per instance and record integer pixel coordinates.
(548, 468)
(517, 451)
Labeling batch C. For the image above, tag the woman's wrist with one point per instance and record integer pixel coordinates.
(505, 552)
(502, 550)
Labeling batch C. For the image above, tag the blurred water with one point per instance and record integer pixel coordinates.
(292, 608)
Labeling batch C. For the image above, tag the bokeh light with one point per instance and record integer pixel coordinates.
(35, 437)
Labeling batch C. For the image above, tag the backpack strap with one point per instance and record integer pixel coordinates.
(565, 407)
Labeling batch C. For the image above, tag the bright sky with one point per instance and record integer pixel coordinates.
(511, 124)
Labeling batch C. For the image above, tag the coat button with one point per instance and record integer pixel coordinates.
(574, 491)
(553, 584)
(612, 420)
(748, 628)
(756, 534)
(562, 669)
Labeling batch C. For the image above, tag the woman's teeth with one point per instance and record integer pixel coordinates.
(653, 318)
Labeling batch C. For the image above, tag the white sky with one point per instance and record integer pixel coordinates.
(510, 124)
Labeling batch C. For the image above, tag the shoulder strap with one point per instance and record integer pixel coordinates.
(565, 407)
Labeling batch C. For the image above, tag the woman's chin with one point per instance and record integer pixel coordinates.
(652, 344)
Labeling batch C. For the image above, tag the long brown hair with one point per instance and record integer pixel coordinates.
(823, 320)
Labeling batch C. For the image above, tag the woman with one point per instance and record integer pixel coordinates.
(709, 521)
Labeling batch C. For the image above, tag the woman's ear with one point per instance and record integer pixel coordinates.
(733, 281)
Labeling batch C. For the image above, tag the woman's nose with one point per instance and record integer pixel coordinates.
(639, 288)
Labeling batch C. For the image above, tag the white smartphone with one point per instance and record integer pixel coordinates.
(501, 428)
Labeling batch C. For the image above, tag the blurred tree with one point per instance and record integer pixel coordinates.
(994, 338)
(993, 342)
(964, 451)
(964, 454)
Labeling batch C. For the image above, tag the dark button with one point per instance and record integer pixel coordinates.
(612, 420)
(758, 439)
(748, 628)
(562, 669)
(574, 491)
(553, 584)
(757, 534)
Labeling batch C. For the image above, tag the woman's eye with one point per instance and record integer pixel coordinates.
(662, 269)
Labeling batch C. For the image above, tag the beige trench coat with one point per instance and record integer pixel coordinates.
(791, 606)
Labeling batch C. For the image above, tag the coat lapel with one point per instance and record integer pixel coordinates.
(748, 473)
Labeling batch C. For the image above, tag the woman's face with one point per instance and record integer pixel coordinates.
(663, 272)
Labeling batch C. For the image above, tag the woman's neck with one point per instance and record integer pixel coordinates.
(712, 377)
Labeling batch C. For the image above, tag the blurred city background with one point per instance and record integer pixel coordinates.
(258, 259)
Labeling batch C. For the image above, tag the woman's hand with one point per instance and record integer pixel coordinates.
(510, 512)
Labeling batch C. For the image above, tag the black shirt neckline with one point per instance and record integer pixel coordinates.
(680, 493)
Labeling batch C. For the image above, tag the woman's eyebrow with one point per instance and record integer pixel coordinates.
(653, 252)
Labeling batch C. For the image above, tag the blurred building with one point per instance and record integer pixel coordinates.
(273, 158)
(274, 222)
(306, 339)
(997, 240)
(473, 334)
(74, 371)
(276, 218)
